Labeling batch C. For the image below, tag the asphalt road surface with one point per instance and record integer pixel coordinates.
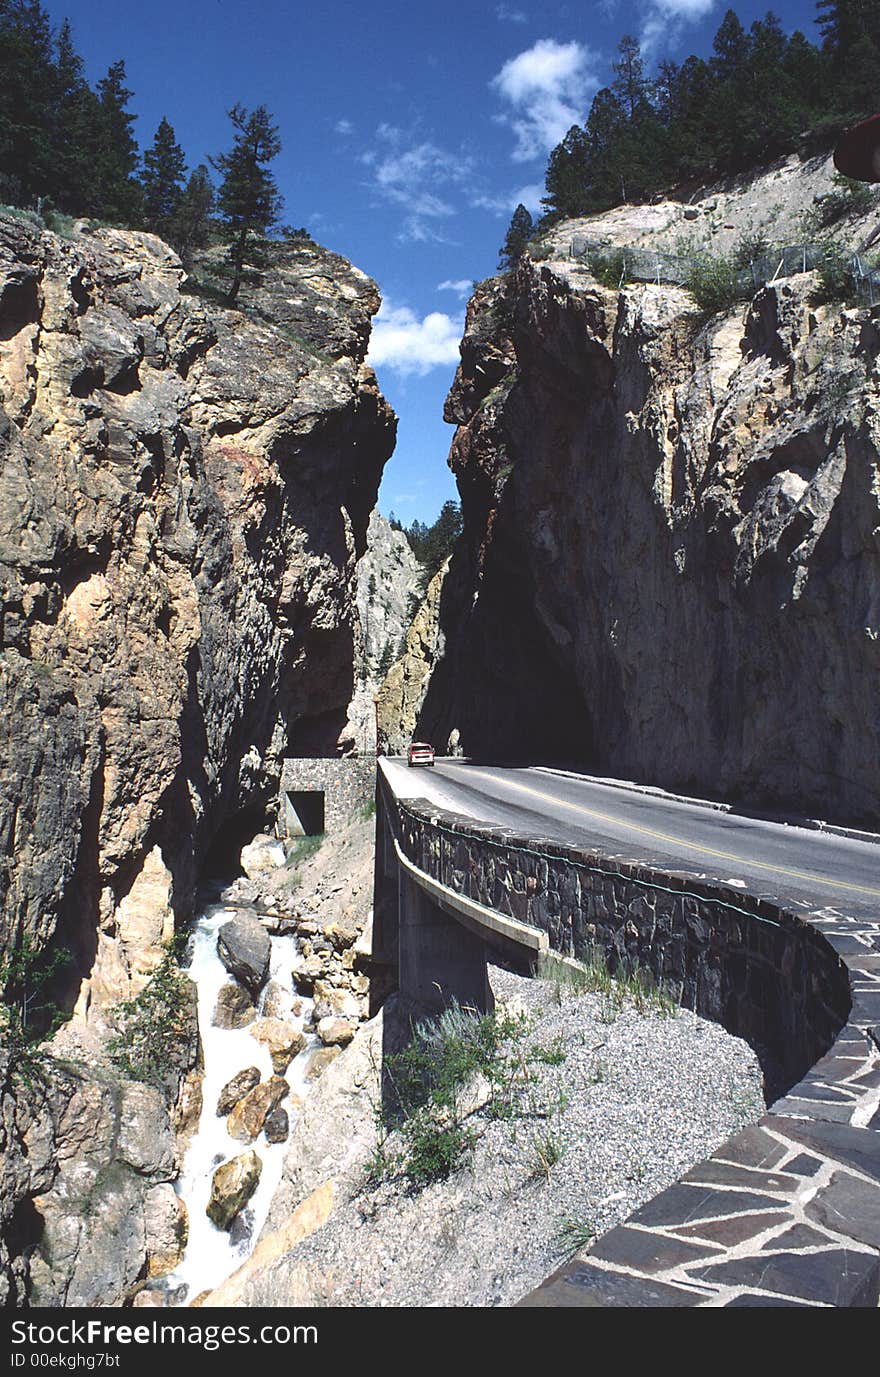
(777, 860)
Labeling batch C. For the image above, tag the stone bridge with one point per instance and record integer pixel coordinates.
(785, 1213)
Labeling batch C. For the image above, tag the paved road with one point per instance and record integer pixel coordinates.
(816, 869)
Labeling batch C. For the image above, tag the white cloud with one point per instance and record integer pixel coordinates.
(665, 18)
(547, 88)
(513, 16)
(504, 202)
(462, 286)
(530, 196)
(407, 345)
(417, 177)
(344, 127)
(684, 9)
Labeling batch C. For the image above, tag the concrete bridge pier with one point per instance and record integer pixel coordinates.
(440, 961)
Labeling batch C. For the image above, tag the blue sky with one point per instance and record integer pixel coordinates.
(409, 133)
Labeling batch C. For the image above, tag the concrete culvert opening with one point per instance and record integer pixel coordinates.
(304, 813)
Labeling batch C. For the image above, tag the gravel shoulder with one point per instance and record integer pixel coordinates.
(622, 1103)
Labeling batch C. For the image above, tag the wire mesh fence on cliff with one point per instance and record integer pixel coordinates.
(654, 265)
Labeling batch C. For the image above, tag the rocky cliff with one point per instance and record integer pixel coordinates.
(671, 567)
(184, 495)
(403, 690)
(388, 582)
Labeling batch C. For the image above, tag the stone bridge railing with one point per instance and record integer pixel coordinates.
(788, 1211)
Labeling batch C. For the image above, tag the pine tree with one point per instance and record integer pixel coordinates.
(440, 538)
(117, 193)
(248, 199)
(191, 225)
(26, 77)
(519, 233)
(162, 181)
(851, 44)
(74, 121)
(630, 85)
(568, 175)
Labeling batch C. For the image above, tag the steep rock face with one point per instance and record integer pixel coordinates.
(388, 580)
(184, 494)
(81, 1156)
(403, 690)
(670, 562)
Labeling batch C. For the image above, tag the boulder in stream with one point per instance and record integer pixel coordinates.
(244, 947)
(236, 1089)
(283, 1040)
(232, 1186)
(262, 856)
(249, 1115)
(234, 1008)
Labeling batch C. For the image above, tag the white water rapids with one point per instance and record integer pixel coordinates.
(211, 1253)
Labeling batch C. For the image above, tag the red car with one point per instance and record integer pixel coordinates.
(420, 753)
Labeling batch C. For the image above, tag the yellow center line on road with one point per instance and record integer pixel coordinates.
(676, 841)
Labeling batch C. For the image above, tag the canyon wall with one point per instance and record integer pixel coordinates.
(670, 569)
(184, 494)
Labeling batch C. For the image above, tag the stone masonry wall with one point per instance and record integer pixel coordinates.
(759, 971)
(346, 784)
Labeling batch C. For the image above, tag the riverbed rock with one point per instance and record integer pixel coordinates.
(277, 1126)
(331, 1001)
(262, 856)
(166, 1229)
(234, 1007)
(283, 1040)
(244, 947)
(150, 1298)
(249, 1115)
(336, 1032)
(279, 1002)
(308, 969)
(236, 1089)
(232, 1186)
(319, 1059)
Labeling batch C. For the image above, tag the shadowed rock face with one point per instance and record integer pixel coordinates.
(670, 562)
(184, 494)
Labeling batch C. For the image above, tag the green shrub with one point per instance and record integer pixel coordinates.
(836, 278)
(750, 246)
(31, 1014)
(713, 284)
(846, 200)
(429, 1079)
(151, 1024)
(609, 268)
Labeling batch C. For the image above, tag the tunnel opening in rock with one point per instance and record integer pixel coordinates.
(304, 813)
(223, 857)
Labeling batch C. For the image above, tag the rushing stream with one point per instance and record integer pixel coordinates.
(212, 1253)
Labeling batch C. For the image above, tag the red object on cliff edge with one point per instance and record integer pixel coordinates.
(857, 154)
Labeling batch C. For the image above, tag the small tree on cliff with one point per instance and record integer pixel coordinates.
(519, 233)
(191, 227)
(162, 180)
(248, 199)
